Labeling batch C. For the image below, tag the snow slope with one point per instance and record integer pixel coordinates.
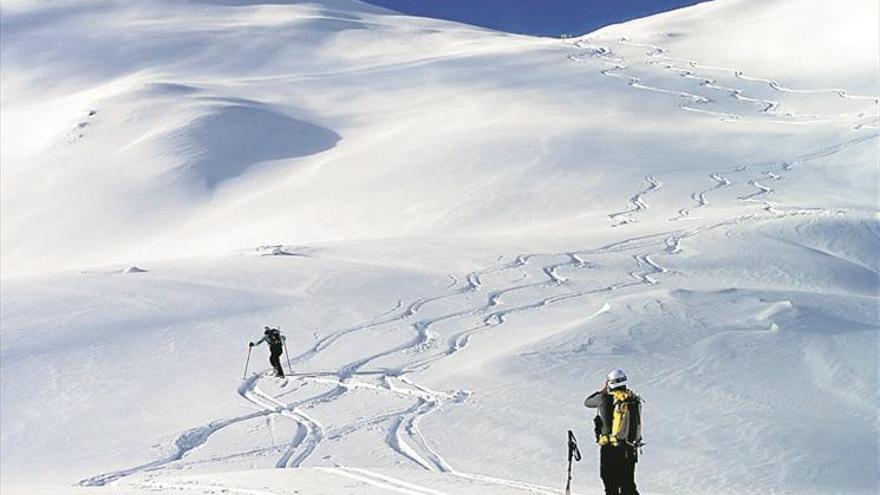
(460, 231)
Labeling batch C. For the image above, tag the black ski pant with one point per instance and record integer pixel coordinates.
(617, 466)
(274, 355)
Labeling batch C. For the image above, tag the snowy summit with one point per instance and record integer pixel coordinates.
(457, 234)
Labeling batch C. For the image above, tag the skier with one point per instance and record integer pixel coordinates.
(618, 433)
(275, 339)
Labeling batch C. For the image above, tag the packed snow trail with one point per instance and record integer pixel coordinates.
(700, 198)
(636, 203)
(186, 442)
(865, 116)
(383, 481)
(309, 432)
(167, 486)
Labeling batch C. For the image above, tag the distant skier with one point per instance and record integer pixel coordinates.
(618, 433)
(275, 339)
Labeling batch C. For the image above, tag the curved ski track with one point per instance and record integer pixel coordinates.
(767, 110)
(184, 443)
(700, 197)
(636, 203)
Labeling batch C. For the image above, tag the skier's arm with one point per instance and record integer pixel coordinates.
(602, 401)
(594, 400)
(263, 339)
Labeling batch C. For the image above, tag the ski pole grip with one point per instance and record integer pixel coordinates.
(573, 451)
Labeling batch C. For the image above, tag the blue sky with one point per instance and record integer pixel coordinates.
(536, 17)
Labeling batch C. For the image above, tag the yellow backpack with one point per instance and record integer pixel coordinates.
(626, 425)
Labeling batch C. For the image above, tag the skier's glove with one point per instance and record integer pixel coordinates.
(250, 344)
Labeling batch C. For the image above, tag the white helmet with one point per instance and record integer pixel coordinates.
(616, 378)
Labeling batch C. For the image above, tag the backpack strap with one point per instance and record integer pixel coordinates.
(625, 411)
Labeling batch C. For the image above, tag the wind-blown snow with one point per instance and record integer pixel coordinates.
(461, 231)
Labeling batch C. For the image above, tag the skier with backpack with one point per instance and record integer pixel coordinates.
(276, 341)
(618, 433)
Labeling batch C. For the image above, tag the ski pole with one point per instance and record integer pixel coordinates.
(246, 363)
(573, 454)
(287, 355)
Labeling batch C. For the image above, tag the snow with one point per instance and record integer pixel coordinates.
(459, 230)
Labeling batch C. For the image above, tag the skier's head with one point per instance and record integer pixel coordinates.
(267, 330)
(616, 379)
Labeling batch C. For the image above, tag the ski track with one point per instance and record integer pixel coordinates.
(761, 192)
(767, 110)
(619, 65)
(185, 486)
(309, 431)
(636, 203)
(406, 430)
(395, 481)
(700, 197)
(393, 484)
(770, 105)
(404, 435)
(382, 481)
(529, 487)
(186, 442)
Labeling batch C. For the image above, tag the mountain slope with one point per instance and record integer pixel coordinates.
(460, 231)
